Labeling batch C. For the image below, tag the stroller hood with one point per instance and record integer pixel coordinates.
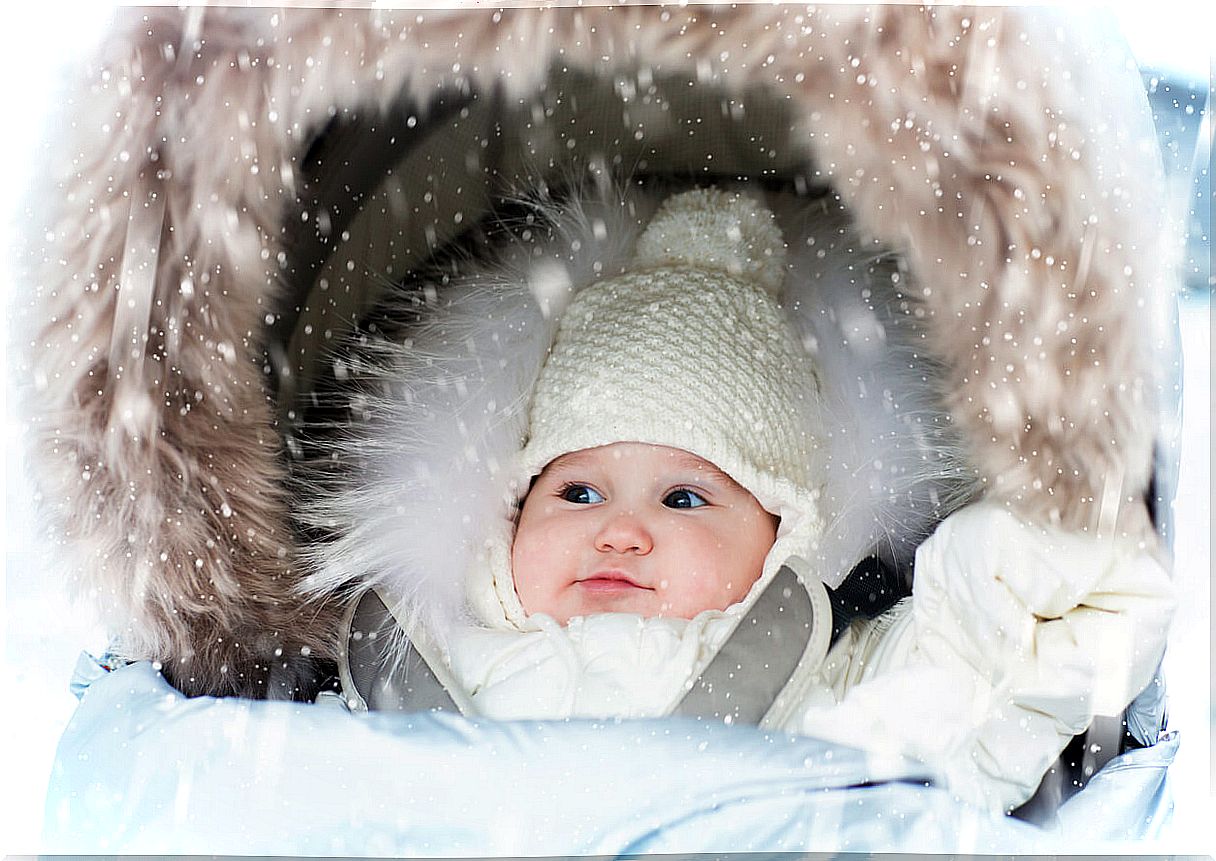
(197, 223)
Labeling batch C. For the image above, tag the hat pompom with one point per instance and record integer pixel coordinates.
(712, 229)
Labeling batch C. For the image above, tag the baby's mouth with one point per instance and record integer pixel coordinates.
(611, 581)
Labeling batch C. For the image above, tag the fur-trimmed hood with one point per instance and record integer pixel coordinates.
(192, 221)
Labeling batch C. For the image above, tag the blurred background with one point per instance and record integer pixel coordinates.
(43, 633)
(1173, 45)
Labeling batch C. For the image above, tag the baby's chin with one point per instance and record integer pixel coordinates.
(582, 600)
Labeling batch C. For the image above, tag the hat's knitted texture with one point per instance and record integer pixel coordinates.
(687, 348)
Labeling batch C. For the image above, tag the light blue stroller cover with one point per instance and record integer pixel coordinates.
(232, 776)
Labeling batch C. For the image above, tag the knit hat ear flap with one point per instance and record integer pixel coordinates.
(714, 229)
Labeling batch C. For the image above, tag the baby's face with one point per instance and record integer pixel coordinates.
(634, 528)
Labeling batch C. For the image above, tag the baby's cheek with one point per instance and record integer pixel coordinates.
(536, 563)
(523, 566)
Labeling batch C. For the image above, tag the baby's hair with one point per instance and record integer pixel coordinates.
(522, 498)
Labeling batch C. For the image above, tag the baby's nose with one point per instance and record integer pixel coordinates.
(624, 533)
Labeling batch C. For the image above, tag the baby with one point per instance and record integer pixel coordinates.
(673, 471)
(670, 469)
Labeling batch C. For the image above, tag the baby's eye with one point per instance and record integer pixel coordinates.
(684, 498)
(581, 494)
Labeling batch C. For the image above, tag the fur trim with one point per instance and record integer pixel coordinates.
(155, 451)
(1004, 209)
(953, 135)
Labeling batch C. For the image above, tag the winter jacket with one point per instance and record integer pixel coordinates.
(1015, 638)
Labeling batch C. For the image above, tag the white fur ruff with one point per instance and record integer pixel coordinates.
(439, 417)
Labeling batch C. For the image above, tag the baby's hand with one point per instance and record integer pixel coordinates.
(1025, 602)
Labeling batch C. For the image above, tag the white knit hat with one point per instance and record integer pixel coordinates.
(687, 348)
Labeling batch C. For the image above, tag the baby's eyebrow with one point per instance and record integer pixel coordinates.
(688, 460)
(567, 468)
(564, 464)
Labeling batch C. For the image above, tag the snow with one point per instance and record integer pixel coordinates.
(43, 632)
